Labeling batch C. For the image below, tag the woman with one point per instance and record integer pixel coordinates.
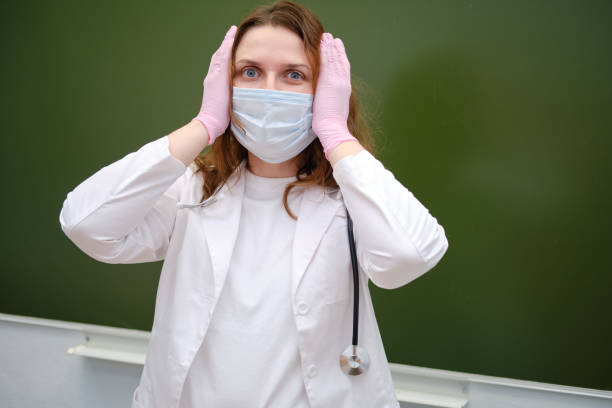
(255, 298)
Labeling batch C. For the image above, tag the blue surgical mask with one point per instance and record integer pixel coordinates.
(277, 124)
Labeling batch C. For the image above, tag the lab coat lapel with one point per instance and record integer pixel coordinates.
(221, 221)
(316, 212)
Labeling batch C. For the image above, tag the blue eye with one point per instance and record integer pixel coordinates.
(246, 71)
(299, 76)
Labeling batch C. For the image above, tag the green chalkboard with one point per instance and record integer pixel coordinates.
(495, 114)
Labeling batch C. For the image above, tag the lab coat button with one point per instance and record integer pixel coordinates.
(312, 370)
(303, 308)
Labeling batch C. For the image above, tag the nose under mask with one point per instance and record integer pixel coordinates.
(277, 124)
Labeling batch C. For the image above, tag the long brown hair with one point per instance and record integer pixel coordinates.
(226, 153)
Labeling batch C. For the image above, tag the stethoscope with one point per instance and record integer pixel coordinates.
(354, 360)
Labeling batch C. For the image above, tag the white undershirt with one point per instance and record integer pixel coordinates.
(249, 356)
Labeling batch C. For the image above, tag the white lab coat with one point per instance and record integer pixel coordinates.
(130, 211)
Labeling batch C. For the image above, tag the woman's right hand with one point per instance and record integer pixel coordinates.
(214, 113)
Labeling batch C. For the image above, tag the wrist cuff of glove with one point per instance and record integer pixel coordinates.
(328, 147)
(210, 129)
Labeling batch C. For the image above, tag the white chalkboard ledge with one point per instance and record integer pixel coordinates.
(102, 342)
(109, 350)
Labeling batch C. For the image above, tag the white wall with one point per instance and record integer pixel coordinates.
(36, 371)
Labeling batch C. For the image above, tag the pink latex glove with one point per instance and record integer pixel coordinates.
(214, 113)
(330, 107)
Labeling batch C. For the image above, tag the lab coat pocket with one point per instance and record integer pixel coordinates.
(333, 261)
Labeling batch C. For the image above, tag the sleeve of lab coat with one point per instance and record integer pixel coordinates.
(124, 213)
(396, 238)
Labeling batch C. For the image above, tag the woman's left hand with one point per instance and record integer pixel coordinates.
(330, 106)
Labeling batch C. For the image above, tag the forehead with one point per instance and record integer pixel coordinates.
(271, 45)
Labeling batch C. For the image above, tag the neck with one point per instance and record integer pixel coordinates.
(273, 170)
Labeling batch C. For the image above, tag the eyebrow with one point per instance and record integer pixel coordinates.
(247, 61)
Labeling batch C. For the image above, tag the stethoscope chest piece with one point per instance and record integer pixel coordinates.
(354, 360)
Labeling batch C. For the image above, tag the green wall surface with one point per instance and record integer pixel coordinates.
(495, 114)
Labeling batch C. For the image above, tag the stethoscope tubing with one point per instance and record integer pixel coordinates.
(353, 251)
